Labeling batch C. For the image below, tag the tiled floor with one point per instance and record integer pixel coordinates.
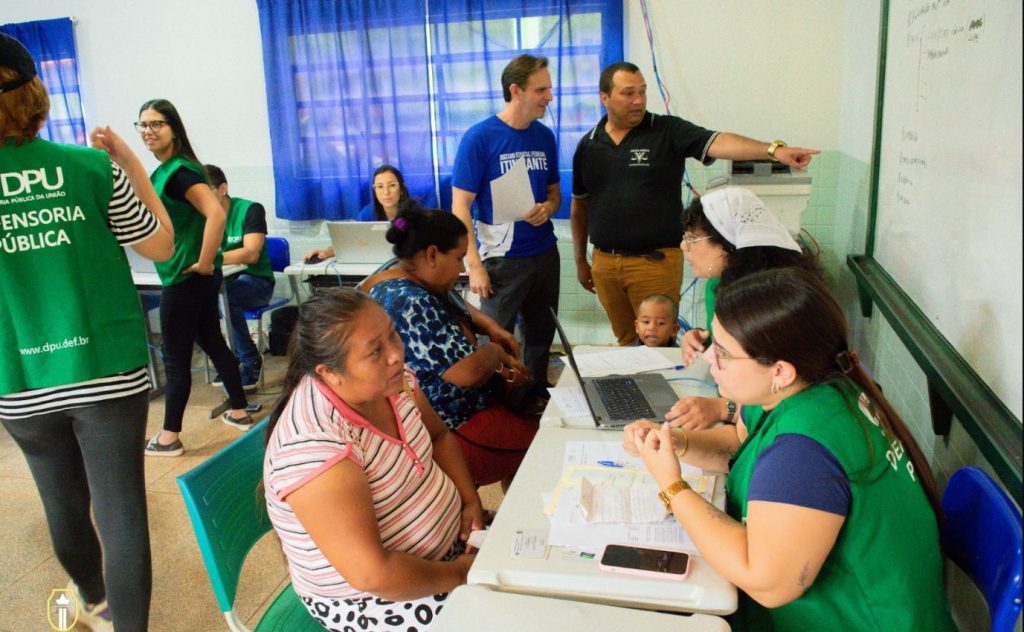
(182, 598)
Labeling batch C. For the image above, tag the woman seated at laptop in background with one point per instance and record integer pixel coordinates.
(461, 377)
(366, 488)
(849, 539)
(729, 233)
(389, 195)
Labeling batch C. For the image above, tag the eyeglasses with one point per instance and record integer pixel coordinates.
(155, 126)
(689, 239)
(721, 357)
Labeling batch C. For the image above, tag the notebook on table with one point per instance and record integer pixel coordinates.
(618, 400)
(359, 242)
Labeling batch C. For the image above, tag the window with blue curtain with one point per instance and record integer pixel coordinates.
(52, 44)
(351, 86)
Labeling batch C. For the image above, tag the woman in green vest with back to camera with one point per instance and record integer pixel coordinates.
(74, 390)
(191, 278)
(833, 514)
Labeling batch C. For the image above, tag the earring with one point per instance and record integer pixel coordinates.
(776, 388)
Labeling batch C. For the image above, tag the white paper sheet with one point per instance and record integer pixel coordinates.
(511, 194)
(622, 360)
(570, 401)
(591, 452)
(570, 527)
(636, 504)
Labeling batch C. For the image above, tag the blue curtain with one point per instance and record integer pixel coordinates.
(351, 86)
(472, 43)
(52, 44)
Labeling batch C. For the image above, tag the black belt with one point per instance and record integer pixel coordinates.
(652, 255)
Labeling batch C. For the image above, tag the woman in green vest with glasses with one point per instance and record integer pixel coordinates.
(729, 233)
(832, 511)
(74, 390)
(191, 278)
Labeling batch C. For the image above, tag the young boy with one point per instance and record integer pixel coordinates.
(656, 324)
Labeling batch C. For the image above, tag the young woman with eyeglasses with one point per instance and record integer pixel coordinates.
(848, 540)
(191, 278)
(389, 196)
(729, 233)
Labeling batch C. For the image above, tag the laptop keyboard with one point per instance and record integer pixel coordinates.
(622, 398)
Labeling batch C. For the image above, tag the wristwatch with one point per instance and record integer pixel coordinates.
(730, 417)
(771, 149)
(669, 492)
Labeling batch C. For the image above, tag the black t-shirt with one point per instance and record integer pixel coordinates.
(255, 219)
(184, 179)
(180, 181)
(635, 187)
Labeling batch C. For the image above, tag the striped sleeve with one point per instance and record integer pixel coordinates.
(128, 218)
(307, 442)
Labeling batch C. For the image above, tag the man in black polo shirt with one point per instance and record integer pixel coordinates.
(627, 194)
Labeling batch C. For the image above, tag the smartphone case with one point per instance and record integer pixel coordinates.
(646, 573)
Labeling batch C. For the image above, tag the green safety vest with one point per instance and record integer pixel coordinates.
(710, 290)
(234, 232)
(885, 570)
(68, 308)
(188, 224)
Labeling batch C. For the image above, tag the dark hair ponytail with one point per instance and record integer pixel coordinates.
(321, 336)
(788, 314)
(414, 230)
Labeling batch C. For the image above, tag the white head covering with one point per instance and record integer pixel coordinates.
(744, 220)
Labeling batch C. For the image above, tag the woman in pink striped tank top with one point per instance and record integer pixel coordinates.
(366, 489)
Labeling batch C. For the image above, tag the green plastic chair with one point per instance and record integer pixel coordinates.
(228, 519)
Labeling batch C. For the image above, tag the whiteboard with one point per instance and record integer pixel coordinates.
(949, 188)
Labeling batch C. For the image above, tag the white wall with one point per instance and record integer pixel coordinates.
(858, 70)
(762, 69)
(205, 57)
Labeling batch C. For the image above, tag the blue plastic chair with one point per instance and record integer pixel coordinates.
(982, 535)
(280, 257)
(229, 516)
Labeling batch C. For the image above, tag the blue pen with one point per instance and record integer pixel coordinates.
(609, 464)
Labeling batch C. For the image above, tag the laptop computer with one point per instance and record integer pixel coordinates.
(617, 400)
(359, 242)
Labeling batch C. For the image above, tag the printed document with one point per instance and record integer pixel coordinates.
(511, 194)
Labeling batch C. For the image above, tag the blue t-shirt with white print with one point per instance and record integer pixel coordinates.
(488, 150)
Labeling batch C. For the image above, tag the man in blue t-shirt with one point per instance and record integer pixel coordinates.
(513, 265)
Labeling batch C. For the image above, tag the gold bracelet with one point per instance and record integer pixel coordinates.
(669, 492)
(686, 444)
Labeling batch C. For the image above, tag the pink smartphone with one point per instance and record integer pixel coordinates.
(635, 560)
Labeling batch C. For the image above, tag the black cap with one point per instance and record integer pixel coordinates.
(15, 56)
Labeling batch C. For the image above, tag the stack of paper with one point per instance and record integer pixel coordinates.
(593, 505)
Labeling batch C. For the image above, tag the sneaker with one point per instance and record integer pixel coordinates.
(251, 376)
(155, 448)
(97, 616)
(217, 380)
(242, 424)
